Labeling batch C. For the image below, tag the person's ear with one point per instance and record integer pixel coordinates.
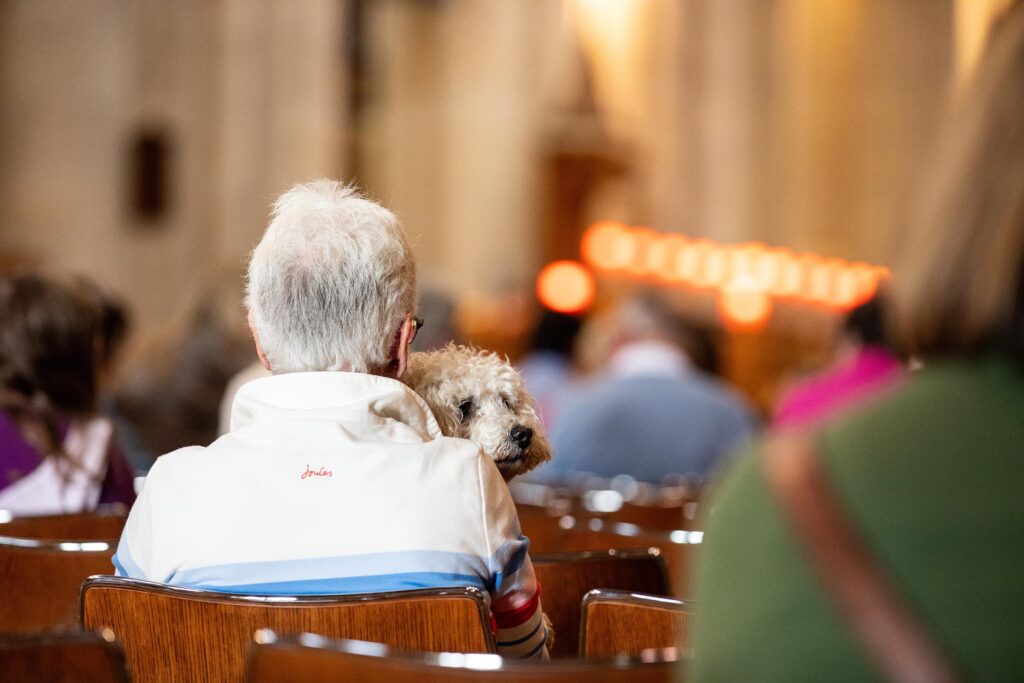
(256, 340)
(405, 334)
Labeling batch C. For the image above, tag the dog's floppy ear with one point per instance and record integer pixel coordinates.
(540, 450)
(423, 376)
(447, 417)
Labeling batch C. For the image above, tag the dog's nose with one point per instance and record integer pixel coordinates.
(521, 435)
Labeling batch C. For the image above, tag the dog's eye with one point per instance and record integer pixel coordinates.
(465, 408)
(508, 403)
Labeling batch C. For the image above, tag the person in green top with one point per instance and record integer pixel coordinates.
(930, 477)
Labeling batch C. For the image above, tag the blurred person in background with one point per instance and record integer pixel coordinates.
(113, 326)
(888, 545)
(548, 368)
(57, 454)
(114, 330)
(437, 308)
(865, 366)
(170, 396)
(650, 413)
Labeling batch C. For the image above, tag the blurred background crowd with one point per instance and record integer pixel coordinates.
(745, 162)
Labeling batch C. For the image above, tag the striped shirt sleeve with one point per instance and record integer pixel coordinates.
(515, 593)
(521, 631)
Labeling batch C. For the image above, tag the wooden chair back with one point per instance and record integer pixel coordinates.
(617, 622)
(61, 658)
(312, 658)
(181, 634)
(40, 581)
(661, 517)
(543, 527)
(678, 547)
(103, 524)
(566, 577)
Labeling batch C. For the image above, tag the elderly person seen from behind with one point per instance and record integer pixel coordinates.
(334, 477)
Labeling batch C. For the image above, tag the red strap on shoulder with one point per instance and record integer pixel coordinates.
(872, 606)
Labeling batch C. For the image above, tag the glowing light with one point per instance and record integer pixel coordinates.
(834, 298)
(686, 263)
(716, 267)
(747, 276)
(819, 279)
(698, 253)
(791, 274)
(608, 245)
(604, 500)
(743, 305)
(867, 281)
(846, 290)
(767, 268)
(565, 287)
(644, 240)
(664, 256)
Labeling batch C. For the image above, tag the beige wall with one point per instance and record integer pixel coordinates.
(250, 92)
(796, 122)
(450, 134)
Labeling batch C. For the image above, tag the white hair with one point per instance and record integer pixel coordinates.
(330, 282)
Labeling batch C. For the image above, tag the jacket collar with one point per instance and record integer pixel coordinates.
(648, 359)
(345, 396)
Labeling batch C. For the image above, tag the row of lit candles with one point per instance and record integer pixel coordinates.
(745, 277)
(671, 258)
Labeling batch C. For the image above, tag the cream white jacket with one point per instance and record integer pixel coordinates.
(331, 483)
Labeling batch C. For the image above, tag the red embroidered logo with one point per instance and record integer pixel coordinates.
(322, 472)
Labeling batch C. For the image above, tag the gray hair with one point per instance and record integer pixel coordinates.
(649, 316)
(330, 282)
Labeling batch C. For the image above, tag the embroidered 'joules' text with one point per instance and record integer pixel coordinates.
(322, 472)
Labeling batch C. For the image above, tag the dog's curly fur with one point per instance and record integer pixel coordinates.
(478, 395)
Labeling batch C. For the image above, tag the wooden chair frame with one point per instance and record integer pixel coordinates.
(562, 603)
(656, 603)
(229, 660)
(675, 546)
(103, 645)
(76, 526)
(601, 555)
(656, 665)
(56, 597)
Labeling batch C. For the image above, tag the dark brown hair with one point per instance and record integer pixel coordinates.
(48, 354)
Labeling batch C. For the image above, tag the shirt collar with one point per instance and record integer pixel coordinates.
(648, 358)
(346, 396)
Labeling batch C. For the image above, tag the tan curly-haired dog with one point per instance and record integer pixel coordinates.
(478, 395)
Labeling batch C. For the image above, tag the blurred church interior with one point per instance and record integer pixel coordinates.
(709, 147)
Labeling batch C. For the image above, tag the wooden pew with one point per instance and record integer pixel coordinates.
(679, 547)
(663, 508)
(40, 581)
(312, 658)
(542, 526)
(182, 634)
(566, 577)
(617, 622)
(105, 523)
(61, 658)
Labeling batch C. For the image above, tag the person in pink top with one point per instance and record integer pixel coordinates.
(866, 367)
